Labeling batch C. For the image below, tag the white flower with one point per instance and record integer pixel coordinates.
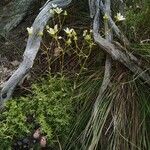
(53, 31)
(75, 38)
(56, 28)
(68, 31)
(60, 37)
(120, 17)
(68, 42)
(51, 11)
(87, 37)
(105, 17)
(54, 5)
(91, 31)
(84, 32)
(65, 13)
(30, 30)
(58, 10)
(40, 33)
(47, 27)
(74, 32)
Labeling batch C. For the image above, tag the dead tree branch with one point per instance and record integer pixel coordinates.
(106, 80)
(91, 135)
(31, 50)
(118, 54)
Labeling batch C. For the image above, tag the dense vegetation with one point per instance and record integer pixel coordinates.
(58, 105)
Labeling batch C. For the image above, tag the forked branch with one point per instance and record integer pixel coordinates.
(117, 53)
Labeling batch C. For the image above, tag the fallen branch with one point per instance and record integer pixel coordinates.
(31, 50)
(118, 54)
(108, 36)
(90, 132)
(93, 130)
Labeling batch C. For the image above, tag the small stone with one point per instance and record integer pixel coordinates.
(36, 134)
(43, 141)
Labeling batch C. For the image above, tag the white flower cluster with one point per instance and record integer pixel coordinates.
(71, 33)
(119, 17)
(56, 10)
(87, 36)
(30, 30)
(52, 31)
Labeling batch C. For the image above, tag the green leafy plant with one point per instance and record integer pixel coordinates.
(49, 107)
(52, 104)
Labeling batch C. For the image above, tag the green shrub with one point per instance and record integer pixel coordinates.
(49, 107)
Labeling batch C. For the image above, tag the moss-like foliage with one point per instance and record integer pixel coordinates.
(49, 108)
